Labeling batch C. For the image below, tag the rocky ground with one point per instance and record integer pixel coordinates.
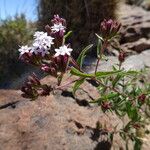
(62, 122)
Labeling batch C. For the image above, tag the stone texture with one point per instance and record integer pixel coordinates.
(137, 46)
(134, 62)
(135, 33)
(146, 4)
(56, 122)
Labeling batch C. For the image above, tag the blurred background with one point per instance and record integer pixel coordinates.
(19, 19)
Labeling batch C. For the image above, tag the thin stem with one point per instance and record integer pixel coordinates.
(109, 87)
(65, 85)
(100, 56)
(60, 78)
(75, 63)
(97, 65)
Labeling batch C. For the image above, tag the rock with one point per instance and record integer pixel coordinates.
(56, 122)
(135, 62)
(138, 46)
(136, 25)
(146, 5)
(138, 62)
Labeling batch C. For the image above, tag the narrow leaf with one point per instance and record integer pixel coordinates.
(82, 55)
(116, 80)
(77, 85)
(106, 73)
(99, 37)
(67, 35)
(76, 72)
(99, 47)
(106, 97)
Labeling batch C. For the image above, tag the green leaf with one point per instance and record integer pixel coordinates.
(99, 37)
(132, 112)
(82, 55)
(106, 97)
(76, 72)
(67, 35)
(101, 74)
(99, 47)
(116, 80)
(130, 72)
(138, 144)
(77, 85)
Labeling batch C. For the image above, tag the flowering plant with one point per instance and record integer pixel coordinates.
(119, 91)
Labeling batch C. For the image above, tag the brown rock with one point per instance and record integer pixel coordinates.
(135, 22)
(138, 46)
(146, 5)
(55, 122)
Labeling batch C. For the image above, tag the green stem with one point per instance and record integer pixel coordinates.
(100, 56)
(59, 79)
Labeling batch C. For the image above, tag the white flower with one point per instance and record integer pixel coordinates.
(42, 43)
(42, 40)
(63, 50)
(24, 49)
(38, 33)
(58, 27)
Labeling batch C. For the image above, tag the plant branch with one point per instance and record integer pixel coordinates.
(65, 85)
(100, 55)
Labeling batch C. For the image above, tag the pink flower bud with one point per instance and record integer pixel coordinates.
(45, 68)
(109, 28)
(57, 20)
(45, 90)
(61, 62)
(122, 56)
(34, 79)
(142, 98)
(106, 105)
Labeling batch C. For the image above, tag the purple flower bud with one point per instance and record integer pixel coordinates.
(45, 90)
(121, 56)
(106, 105)
(57, 20)
(53, 71)
(109, 28)
(45, 68)
(34, 79)
(61, 62)
(142, 98)
(50, 68)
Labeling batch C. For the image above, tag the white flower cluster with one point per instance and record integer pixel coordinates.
(41, 44)
(58, 27)
(63, 50)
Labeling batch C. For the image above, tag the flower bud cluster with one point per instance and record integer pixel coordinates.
(58, 64)
(109, 28)
(32, 88)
